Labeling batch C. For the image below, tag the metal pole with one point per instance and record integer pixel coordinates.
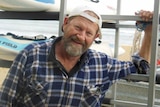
(62, 13)
(116, 45)
(154, 45)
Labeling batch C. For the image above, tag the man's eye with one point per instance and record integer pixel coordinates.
(77, 28)
(89, 34)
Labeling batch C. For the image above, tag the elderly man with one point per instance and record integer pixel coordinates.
(65, 72)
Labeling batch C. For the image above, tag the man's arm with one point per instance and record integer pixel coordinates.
(145, 49)
(146, 42)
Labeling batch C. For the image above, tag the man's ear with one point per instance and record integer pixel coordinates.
(97, 35)
(64, 22)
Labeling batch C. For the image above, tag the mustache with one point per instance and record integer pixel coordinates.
(76, 39)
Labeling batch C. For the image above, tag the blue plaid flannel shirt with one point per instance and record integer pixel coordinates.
(37, 79)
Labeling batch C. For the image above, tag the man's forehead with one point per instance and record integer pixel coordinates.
(91, 13)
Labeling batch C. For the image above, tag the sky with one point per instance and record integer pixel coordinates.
(131, 6)
(127, 6)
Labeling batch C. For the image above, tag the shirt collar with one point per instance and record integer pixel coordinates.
(53, 58)
(52, 50)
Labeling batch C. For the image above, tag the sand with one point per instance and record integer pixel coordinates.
(3, 73)
(127, 55)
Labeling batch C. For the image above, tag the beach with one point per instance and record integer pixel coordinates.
(3, 73)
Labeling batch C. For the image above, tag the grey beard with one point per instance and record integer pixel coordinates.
(73, 50)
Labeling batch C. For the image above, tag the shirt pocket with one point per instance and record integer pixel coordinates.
(92, 95)
(35, 93)
(94, 90)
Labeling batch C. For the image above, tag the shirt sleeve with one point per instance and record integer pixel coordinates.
(13, 82)
(120, 69)
(141, 64)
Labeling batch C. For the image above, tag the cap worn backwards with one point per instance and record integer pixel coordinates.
(83, 11)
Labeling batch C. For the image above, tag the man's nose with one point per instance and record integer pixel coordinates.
(82, 35)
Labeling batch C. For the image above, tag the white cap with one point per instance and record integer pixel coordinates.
(81, 11)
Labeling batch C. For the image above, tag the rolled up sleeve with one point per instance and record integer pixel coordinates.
(141, 64)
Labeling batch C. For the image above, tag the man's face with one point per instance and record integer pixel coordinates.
(79, 34)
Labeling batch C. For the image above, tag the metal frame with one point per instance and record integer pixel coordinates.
(151, 78)
(154, 47)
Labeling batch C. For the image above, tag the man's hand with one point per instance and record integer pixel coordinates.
(145, 15)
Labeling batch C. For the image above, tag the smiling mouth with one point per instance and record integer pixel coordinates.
(76, 41)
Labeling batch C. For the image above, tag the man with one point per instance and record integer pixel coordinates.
(65, 72)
